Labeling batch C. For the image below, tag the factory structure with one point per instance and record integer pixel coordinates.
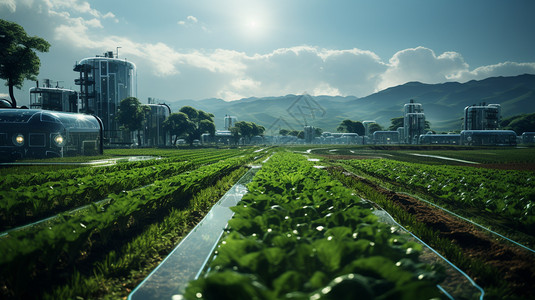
(105, 80)
(480, 127)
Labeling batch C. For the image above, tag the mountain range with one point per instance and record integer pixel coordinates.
(443, 104)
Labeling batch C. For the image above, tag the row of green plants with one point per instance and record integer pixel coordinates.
(299, 234)
(26, 203)
(122, 268)
(46, 251)
(487, 276)
(36, 178)
(508, 194)
(62, 190)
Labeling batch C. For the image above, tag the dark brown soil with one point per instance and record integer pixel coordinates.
(508, 166)
(516, 265)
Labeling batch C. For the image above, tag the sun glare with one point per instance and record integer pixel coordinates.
(252, 24)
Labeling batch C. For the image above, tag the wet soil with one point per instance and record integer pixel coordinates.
(516, 265)
(508, 166)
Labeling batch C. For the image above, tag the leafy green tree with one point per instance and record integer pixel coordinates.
(246, 130)
(284, 132)
(177, 124)
(258, 129)
(350, 126)
(201, 122)
(396, 123)
(373, 127)
(301, 135)
(18, 60)
(318, 132)
(132, 115)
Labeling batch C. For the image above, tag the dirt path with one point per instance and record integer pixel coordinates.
(516, 265)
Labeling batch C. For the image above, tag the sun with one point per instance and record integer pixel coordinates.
(253, 25)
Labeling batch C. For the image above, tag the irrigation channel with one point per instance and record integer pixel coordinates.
(192, 255)
(189, 258)
(94, 163)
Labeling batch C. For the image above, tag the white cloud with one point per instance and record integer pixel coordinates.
(502, 69)
(325, 89)
(95, 23)
(10, 4)
(190, 20)
(231, 74)
(421, 64)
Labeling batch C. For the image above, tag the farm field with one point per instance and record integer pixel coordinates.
(301, 232)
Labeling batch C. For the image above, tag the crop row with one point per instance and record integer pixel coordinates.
(26, 203)
(197, 156)
(49, 249)
(507, 193)
(299, 234)
(119, 271)
(79, 187)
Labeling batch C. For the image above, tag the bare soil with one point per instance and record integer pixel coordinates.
(516, 265)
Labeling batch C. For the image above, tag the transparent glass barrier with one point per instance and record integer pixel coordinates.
(188, 259)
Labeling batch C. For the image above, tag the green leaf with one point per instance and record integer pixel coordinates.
(350, 286)
(288, 282)
(227, 285)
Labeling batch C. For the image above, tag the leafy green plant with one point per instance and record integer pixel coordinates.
(504, 193)
(300, 234)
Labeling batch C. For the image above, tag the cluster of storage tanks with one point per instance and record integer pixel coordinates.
(66, 122)
(480, 128)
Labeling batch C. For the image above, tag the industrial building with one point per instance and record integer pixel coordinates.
(309, 133)
(230, 121)
(104, 81)
(53, 98)
(482, 117)
(440, 139)
(386, 137)
(413, 122)
(153, 133)
(366, 125)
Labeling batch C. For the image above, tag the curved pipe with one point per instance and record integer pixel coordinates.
(101, 145)
(168, 108)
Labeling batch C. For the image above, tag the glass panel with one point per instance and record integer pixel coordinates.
(188, 259)
(37, 140)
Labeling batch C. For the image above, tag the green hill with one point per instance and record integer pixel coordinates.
(443, 104)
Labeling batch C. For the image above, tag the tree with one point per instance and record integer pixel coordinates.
(373, 127)
(318, 132)
(177, 124)
(200, 122)
(246, 130)
(351, 127)
(284, 132)
(258, 129)
(132, 115)
(396, 123)
(18, 60)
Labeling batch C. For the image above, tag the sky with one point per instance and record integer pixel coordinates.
(256, 48)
